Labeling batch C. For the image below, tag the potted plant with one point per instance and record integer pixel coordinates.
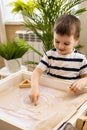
(12, 51)
(40, 15)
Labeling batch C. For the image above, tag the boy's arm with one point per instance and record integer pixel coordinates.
(80, 84)
(35, 85)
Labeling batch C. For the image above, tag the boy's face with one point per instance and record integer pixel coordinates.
(64, 44)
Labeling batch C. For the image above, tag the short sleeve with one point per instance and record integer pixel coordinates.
(44, 63)
(83, 68)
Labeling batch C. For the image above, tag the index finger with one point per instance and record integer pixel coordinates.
(35, 101)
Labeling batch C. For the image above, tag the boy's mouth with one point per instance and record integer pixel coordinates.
(61, 50)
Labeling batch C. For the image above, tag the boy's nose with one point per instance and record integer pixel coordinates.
(61, 46)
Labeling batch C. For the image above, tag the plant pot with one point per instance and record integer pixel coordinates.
(13, 65)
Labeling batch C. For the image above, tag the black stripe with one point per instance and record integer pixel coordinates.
(60, 68)
(63, 77)
(45, 63)
(64, 68)
(84, 66)
(65, 59)
(54, 49)
(75, 50)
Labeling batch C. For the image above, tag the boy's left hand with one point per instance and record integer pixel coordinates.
(78, 85)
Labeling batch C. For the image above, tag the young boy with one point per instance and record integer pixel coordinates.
(63, 61)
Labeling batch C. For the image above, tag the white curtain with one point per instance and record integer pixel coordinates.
(2, 25)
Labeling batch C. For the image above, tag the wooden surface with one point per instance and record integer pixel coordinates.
(58, 106)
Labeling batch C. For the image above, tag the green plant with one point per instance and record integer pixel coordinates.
(15, 49)
(40, 15)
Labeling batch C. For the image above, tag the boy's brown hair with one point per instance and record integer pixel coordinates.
(67, 25)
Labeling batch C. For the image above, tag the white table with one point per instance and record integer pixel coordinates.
(4, 72)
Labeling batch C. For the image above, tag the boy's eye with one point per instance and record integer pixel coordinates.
(65, 43)
(57, 41)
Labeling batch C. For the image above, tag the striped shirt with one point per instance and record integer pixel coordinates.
(68, 67)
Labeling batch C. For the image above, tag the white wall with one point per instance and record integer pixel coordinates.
(83, 36)
(2, 26)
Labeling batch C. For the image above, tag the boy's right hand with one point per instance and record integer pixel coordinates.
(35, 78)
(34, 97)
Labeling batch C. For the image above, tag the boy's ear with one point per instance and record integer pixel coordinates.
(77, 41)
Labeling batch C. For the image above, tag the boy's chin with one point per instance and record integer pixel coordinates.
(63, 52)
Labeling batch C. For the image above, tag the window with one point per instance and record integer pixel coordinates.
(8, 15)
